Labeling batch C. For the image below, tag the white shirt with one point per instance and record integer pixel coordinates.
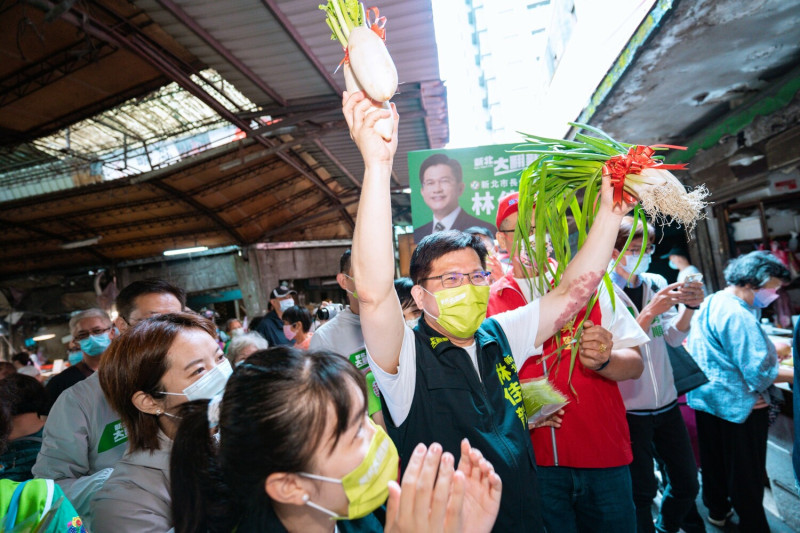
(519, 325)
(447, 221)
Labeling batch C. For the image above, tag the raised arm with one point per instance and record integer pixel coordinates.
(373, 243)
(584, 272)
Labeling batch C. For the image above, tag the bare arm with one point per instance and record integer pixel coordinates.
(373, 247)
(626, 363)
(785, 374)
(584, 272)
(596, 348)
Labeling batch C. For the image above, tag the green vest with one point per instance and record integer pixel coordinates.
(451, 403)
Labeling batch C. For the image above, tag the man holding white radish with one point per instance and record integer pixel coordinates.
(454, 375)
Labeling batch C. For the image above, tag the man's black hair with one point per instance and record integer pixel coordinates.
(127, 297)
(441, 159)
(345, 261)
(403, 288)
(438, 244)
(300, 314)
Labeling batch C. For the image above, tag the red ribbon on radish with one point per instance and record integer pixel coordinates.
(378, 25)
(637, 158)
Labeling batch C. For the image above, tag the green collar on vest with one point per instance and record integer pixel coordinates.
(440, 344)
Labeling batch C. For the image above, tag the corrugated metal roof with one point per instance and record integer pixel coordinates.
(299, 190)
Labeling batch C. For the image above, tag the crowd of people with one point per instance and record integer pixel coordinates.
(404, 411)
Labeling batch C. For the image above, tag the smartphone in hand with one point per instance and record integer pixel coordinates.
(693, 278)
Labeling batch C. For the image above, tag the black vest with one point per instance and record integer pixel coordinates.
(451, 403)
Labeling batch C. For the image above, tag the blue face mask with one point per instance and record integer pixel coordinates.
(94, 345)
(673, 266)
(74, 357)
(630, 264)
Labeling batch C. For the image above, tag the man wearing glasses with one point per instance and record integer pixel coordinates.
(83, 437)
(92, 331)
(455, 374)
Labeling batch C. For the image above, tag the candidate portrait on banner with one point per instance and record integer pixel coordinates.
(459, 188)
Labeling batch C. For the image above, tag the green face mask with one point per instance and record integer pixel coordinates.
(367, 486)
(462, 309)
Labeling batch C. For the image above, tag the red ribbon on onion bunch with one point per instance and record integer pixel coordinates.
(378, 25)
(637, 159)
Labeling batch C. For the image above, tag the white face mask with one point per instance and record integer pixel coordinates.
(208, 386)
(286, 304)
(236, 332)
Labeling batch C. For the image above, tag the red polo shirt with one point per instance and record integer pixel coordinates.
(594, 431)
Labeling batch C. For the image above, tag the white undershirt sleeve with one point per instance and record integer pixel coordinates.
(521, 326)
(397, 390)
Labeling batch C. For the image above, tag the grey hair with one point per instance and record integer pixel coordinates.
(88, 313)
(241, 342)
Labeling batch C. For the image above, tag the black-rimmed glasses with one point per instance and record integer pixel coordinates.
(456, 279)
(86, 334)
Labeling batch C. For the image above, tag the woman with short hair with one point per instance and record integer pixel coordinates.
(243, 346)
(741, 363)
(146, 374)
(297, 326)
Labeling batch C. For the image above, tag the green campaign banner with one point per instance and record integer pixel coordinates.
(460, 188)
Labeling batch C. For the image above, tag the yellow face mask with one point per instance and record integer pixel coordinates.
(462, 309)
(367, 486)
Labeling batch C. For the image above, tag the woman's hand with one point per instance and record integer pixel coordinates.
(425, 501)
(483, 490)
(374, 149)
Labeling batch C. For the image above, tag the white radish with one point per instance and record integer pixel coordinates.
(372, 64)
(368, 67)
(665, 198)
(384, 126)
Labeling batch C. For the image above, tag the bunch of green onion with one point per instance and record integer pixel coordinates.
(564, 182)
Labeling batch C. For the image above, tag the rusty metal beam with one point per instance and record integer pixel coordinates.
(297, 197)
(175, 69)
(194, 204)
(192, 24)
(306, 220)
(58, 65)
(302, 168)
(335, 160)
(131, 207)
(10, 137)
(283, 20)
(320, 104)
(28, 226)
(254, 195)
(121, 227)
